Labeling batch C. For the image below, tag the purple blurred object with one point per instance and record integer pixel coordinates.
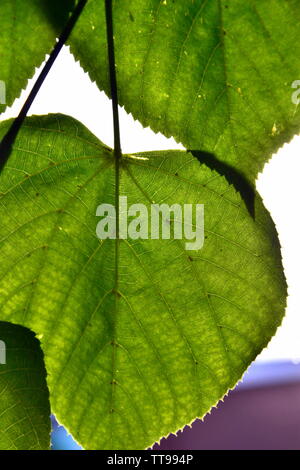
(251, 418)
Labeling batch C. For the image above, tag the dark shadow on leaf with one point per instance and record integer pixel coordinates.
(232, 175)
(57, 12)
(8, 141)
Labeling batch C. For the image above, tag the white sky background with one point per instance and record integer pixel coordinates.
(68, 90)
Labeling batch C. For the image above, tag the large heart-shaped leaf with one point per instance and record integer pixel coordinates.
(24, 403)
(215, 74)
(140, 336)
(26, 37)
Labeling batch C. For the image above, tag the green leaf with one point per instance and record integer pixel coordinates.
(24, 405)
(27, 36)
(215, 74)
(140, 336)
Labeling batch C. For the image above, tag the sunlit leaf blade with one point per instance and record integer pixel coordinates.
(141, 340)
(24, 398)
(28, 32)
(215, 74)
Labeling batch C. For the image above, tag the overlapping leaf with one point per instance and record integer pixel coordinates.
(28, 32)
(24, 400)
(140, 336)
(215, 74)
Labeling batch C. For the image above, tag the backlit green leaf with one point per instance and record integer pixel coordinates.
(140, 336)
(26, 37)
(215, 74)
(24, 400)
